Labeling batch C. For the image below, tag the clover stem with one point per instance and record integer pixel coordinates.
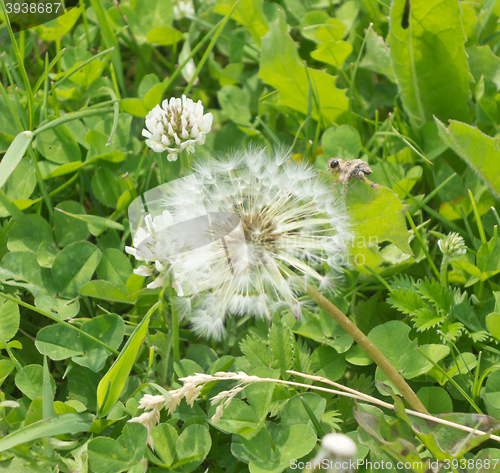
(444, 271)
(175, 325)
(186, 163)
(371, 350)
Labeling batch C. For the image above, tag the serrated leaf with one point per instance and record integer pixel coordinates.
(248, 13)
(377, 57)
(256, 351)
(425, 319)
(479, 151)
(429, 60)
(405, 301)
(432, 291)
(281, 342)
(281, 68)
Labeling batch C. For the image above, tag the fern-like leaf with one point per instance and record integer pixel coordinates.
(332, 420)
(432, 291)
(281, 341)
(256, 351)
(424, 319)
(406, 301)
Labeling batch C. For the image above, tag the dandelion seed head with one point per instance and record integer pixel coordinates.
(289, 224)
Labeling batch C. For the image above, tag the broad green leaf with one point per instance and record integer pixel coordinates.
(46, 254)
(58, 342)
(333, 52)
(9, 320)
(195, 441)
(294, 411)
(111, 385)
(377, 215)
(74, 266)
(60, 308)
(491, 394)
(58, 145)
(482, 62)
(106, 455)
(22, 182)
(135, 436)
(55, 425)
(28, 232)
(29, 381)
(82, 386)
(327, 362)
(435, 399)
(391, 437)
(60, 26)
(202, 355)
(20, 268)
(68, 229)
(115, 267)
(248, 13)
(14, 155)
(342, 142)
(164, 438)
(377, 57)
(493, 324)
(236, 103)
(106, 291)
(478, 150)
(134, 106)
(295, 442)
(147, 16)
(108, 328)
(257, 447)
(281, 68)
(259, 395)
(164, 36)
(238, 417)
(392, 339)
(429, 60)
(107, 186)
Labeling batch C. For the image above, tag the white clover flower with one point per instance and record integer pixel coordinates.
(183, 8)
(290, 225)
(452, 245)
(177, 126)
(150, 245)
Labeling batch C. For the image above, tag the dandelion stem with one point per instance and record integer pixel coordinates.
(371, 350)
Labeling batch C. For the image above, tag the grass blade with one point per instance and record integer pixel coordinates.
(55, 425)
(14, 154)
(111, 385)
(47, 392)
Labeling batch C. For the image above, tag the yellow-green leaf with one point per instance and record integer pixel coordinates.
(111, 385)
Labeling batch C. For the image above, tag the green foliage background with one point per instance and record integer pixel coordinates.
(81, 337)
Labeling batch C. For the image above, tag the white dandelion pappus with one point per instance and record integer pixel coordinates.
(177, 126)
(290, 224)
